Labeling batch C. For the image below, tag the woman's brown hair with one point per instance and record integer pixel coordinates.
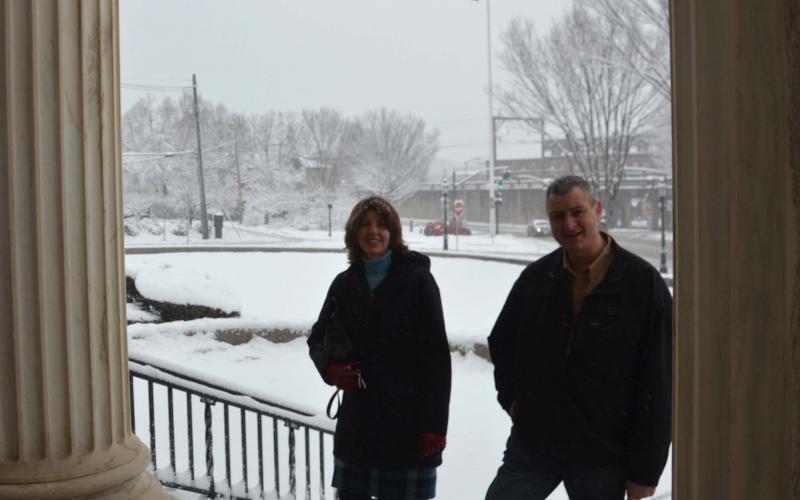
(388, 216)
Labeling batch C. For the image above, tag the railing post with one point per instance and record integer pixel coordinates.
(308, 465)
(209, 448)
(321, 465)
(260, 455)
(133, 413)
(152, 415)
(244, 451)
(292, 459)
(171, 425)
(227, 447)
(189, 430)
(275, 451)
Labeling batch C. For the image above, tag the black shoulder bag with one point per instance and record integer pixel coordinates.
(338, 347)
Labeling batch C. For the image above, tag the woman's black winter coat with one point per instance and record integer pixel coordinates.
(398, 335)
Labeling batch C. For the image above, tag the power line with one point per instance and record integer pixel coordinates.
(154, 156)
(144, 160)
(463, 145)
(469, 118)
(155, 153)
(163, 79)
(155, 88)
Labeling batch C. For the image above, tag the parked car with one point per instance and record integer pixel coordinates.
(435, 228)
(539, 227)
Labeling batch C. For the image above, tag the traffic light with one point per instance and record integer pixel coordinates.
(507, 176)
(499, 192)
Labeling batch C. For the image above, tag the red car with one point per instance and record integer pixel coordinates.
(435, 228)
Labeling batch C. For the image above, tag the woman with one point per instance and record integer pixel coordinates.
(395, 374)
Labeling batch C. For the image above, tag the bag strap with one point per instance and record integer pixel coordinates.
(334, 397)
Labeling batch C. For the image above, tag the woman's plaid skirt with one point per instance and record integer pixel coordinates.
(399, 484)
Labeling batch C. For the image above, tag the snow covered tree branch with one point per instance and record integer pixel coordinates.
(326, 144)
(642, 37)
(598, 108)
(271, 165)
(393, 152)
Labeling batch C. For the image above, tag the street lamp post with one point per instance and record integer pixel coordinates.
(330, 207)
(498, 200)
(444, 208)
(453, 192)
(662, 195)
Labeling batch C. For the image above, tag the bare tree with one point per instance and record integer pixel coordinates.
(325, 145)
(270, 148)
(263, 135)
(281, 165)
(642, 47)
(599, 108)
(393, 153)
(642, 37)
(152, 180)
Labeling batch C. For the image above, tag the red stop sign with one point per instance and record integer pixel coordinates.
(458, 208)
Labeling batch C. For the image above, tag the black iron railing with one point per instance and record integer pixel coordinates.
(246, 474)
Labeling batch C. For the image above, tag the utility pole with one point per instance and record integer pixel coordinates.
(492, 152)
(203, 214)
(456, 218)
(238, 173)
(444, 208)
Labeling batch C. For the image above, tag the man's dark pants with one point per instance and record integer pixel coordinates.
(526, 475)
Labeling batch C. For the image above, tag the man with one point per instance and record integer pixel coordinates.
(582, 352)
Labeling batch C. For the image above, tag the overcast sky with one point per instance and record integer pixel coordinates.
(427, 57)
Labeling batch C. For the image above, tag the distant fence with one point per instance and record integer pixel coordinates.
(197, 423)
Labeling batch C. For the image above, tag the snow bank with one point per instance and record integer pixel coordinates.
(137, 315)
(183, 282)
(286, 290)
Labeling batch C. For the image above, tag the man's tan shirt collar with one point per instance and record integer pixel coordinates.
(584, 282)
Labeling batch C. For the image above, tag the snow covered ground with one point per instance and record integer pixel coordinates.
(287, 289)
(478, 427)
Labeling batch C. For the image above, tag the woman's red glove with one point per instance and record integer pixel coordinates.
(345, 376)
(430, 445)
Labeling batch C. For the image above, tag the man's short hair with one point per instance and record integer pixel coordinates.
(567, 183)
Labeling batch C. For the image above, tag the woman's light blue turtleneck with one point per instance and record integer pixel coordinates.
(376, 269)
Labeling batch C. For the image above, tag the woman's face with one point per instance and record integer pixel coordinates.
(373, 235)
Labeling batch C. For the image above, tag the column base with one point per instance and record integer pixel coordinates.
(145, 486)
(130, 481)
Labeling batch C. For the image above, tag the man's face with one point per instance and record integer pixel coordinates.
(574, 220)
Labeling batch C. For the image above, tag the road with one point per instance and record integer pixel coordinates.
(645, 243)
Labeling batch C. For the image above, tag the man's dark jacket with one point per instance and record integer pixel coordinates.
(398, 334)
(599, 391)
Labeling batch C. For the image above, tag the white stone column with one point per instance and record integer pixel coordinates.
(736, 75)
(65, 426)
